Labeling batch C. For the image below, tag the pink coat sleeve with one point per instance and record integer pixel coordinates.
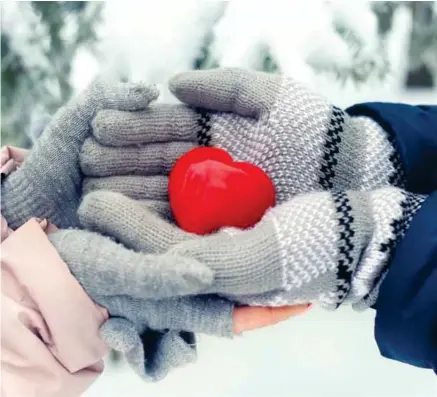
(49, 326)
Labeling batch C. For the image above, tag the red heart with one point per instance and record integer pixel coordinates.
(208, 191)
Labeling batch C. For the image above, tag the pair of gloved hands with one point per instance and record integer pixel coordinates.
(324, 246)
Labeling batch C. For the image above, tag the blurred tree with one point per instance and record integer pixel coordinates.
(423, 43)
(423, 46)
(364, 66)
(37, 50)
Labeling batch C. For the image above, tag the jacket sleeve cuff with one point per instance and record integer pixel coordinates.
(413, 132)
(406, 309)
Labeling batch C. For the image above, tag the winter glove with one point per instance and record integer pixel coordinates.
(325, 247)
(48, 184)
(153, 354)
(302, 141)
(155, 334)
(158, 336)
(129, 150)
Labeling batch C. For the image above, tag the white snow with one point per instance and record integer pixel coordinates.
(152, 41)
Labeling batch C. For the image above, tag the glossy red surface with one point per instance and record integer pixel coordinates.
(208, 191)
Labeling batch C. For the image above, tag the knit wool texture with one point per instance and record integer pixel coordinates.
(303, 142)
(151, 332)
(49, 183)
(322, 247)
(334, 248)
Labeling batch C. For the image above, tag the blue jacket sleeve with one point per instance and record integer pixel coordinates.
(413, 132)
(406, 309)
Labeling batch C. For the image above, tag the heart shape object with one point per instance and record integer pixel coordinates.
(208, 190)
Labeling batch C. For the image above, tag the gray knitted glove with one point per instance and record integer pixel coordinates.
(107, 268)
(128, 150)
(302, 141)
(158, 336)
(48, 184)
(153, 354)
(325, 247)
(155, 335)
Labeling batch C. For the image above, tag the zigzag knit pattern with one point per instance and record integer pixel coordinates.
(333, 139)
(345, 260)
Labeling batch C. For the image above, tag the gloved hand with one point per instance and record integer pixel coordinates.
(323, 247)
(155, 335)
(152, 332)
(153, 353)
(301, 140)
(49, 183)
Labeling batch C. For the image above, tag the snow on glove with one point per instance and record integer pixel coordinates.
(49, 183)
(323, 247)
(301, 140)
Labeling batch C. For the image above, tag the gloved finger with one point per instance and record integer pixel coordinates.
(134, 186)
(171, 351)
(244, 262)
(156, 124)
(249, 318)
(247, 93)
(119, 334)
(97, 160)
(161, 208)
(130, 222)
(74, 119)
(104, 267)
(104, 94)
(152, 355)
(207, 314)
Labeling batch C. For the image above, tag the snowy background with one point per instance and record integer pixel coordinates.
(348, 51)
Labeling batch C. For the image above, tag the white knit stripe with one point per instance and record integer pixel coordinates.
(306, 228)
(364, 158)
(386, 207)
(270, 217)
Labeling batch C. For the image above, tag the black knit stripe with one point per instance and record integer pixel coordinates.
(346, 245)
(204, 127)
(410, 204)
(331, 149)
